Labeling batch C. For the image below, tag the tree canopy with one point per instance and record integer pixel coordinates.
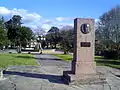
(13, 28)
(53, 36)
(3, 33)
(19, 35)
(66, 41)
(108, 31)
(25, 36)
(109, 26)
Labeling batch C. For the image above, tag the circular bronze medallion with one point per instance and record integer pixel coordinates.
(85, 28)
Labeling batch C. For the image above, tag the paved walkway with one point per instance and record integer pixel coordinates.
(47, 76)
(50, 60)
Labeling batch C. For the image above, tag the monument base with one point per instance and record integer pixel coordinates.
(69, 78)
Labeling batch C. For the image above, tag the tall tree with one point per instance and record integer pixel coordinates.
(17, 34)
(53, 36)
(109, 26)
(66, 41)
(25, 36)
(39, 32)
(108, 31)
(3, 33)
(13, 27)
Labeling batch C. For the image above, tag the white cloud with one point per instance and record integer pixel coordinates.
(60, 19)
(46, 26)
(32, 26)
(47, 21)
(71, 24)
(27, 17)
(34, 20)
(4, 11)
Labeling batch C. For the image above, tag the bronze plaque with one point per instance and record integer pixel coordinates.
(85, 44)
(85, 28)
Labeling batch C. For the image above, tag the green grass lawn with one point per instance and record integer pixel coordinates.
(16, 59)
(100, 61)
(108, 62)
(65, 57)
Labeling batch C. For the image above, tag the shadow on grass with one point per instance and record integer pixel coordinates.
(108, 62)
(64, 57)
(27, 57)
(51, 78)
(99, 57)
(39, 58)
(56, 59)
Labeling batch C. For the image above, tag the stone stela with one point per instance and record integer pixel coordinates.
(83, 61)
(83, 65)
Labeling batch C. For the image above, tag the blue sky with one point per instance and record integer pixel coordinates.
(47, 13)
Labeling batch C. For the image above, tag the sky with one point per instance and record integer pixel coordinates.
(47, 13)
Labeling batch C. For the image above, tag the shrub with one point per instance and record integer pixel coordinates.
(110, 54)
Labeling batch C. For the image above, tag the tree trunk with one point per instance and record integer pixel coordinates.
(65, 51)
(47, 45)
(55, 46)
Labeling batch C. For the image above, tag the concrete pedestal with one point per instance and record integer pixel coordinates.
(70, 78)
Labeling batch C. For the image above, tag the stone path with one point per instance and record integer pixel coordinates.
(49, 60)
(47, 76)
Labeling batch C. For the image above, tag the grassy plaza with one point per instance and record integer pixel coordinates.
(100, 61)
(27, 59)
(16, 59)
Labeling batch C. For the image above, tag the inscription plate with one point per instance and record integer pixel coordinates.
(85, 44)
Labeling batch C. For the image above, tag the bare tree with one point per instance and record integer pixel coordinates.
(39, 32)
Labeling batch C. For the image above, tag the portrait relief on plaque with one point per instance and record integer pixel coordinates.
(85, 28)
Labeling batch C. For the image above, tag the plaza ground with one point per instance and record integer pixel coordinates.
(28, 59)
(47, 76)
